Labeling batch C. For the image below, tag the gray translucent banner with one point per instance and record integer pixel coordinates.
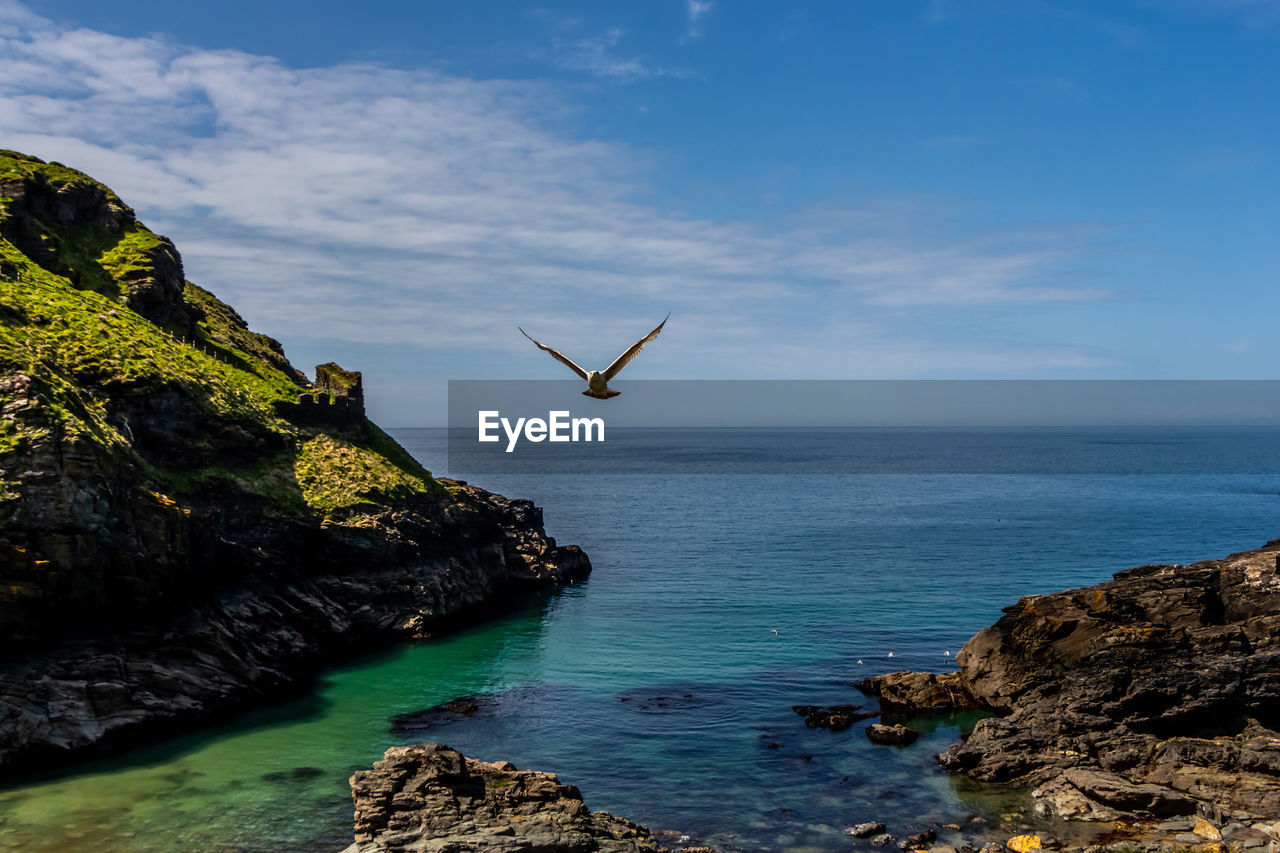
(866, 427)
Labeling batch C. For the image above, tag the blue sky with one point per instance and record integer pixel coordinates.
(908, 189)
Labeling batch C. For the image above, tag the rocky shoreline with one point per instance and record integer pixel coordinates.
(1145, 705)
(188, 525)
(430, 799)
(426, 568)
(1137, 712)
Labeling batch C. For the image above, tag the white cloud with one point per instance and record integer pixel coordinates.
(596, 56)
(378, 206)
(698, 9)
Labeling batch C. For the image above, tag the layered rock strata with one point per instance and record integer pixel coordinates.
(1156, 693)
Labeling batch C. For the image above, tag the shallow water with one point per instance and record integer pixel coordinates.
(693, 574)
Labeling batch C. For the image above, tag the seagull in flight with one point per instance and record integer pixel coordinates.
(598, 380)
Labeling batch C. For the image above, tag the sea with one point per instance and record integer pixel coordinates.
(663, 686)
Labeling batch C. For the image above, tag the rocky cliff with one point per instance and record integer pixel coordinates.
(172, 543)
(1156, 693)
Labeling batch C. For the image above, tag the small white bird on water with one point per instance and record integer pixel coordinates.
(890, 654)
(775, 632)
(598, 380)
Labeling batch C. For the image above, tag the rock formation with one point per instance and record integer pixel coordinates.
(895, 735)
(1154, 693)
(170, 546)
(49, 211)
(837, 717)
(916, 692)
(430, 799)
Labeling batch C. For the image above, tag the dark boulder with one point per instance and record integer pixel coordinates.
(897, 735)
(430, 797)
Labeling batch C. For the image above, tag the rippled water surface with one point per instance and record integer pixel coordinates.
(693, 575)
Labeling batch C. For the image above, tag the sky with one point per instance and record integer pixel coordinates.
(825, 190)
(892, 403)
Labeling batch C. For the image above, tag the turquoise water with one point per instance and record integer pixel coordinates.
(693, 574)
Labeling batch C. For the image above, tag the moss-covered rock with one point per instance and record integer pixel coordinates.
(153, 463)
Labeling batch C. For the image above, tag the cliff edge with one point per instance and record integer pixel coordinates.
(186, 522)
(1152, 694)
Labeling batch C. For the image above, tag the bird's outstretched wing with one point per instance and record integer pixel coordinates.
(622, 360)
(559, 356)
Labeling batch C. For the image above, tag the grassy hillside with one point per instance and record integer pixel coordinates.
(105, 347)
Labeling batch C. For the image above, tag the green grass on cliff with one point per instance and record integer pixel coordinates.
(94, 342)
(92, 256)
(226, 331)
(334, 472)
(73, 355)
(15, 165)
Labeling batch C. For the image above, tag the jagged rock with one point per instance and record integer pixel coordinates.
(1238, 835)
(1207, 830)
(920, 840)
(430, 799)
(915, 692)
(896, 735)
(1059, 798)
(1154, 692)
(41, 211)
(866, 830)
(417, 571)
(154, 287)
(170, 549)
(837, 717)
(1115, 791)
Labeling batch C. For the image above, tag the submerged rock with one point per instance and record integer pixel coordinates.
(430, 799)
(836, 717)
(920, 840)
(464, 707)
